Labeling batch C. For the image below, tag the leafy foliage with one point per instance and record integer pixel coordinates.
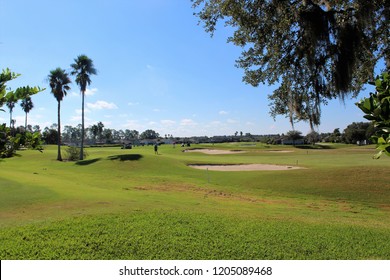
(377, 109)
(317, 50)
(5, 77)
(9, 143)
(73, 153)
(149, 134)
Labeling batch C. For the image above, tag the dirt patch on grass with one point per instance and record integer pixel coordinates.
(244, 167)
(214, 152)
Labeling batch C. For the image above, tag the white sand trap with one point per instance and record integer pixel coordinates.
(244, 167)
(213, 152)
(280, 151)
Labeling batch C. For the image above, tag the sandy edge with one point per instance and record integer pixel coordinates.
(244, 167)
(213, 152)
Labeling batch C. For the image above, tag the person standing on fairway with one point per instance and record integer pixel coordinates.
(156, 148)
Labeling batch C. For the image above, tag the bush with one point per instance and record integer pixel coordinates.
(8, 143)
(73, 153)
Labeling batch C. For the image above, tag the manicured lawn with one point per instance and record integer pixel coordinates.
(133, 204)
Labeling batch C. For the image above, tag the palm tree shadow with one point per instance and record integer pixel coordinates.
(126, 157)
(88, 162)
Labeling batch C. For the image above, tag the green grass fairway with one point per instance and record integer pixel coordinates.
(133, 204)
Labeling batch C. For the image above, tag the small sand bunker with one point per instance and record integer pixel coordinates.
(214, 152)
(244, 167)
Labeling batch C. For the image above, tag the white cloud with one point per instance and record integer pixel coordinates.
(167, 122)
(231, 121)
(90, 92)
(100, 104)
(187, 122)
(133, 103)
(223, 112)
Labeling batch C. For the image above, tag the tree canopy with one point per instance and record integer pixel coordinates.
(316, 50)
(149, 134)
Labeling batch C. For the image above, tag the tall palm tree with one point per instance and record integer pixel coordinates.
(11, 101)
(59, 82)
(82, 68)
(26, 105)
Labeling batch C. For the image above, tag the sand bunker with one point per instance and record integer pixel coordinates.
(244, 167)
(280, 151)
(213, 152)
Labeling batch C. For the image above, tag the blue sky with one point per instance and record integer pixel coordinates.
(157, 69)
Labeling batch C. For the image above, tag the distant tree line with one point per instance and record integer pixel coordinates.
(355, 133)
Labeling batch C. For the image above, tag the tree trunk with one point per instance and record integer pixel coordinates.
(10, 118)
(82, 126)
(59, 132)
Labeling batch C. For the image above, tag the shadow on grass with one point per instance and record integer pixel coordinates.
(314, 147)
(126, 157)
(88, 161)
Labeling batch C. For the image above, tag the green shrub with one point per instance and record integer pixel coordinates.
(73, 153)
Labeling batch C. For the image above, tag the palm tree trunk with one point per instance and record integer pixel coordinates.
(25, 122)
(10, 118)
(59, 132)
(11, 124)
(82, 126)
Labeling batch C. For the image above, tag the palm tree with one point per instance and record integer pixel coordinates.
(82, 69)
(10, 103)
(59, 82)
(26, 105)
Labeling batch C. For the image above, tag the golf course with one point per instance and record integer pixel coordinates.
(330, 201)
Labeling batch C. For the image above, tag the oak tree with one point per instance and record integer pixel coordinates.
(316, 50)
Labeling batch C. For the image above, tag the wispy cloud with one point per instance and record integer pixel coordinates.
(222, 112)
(231, 121)
(100, 104)
(88, 92)
(167, 122)
(187, 122)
